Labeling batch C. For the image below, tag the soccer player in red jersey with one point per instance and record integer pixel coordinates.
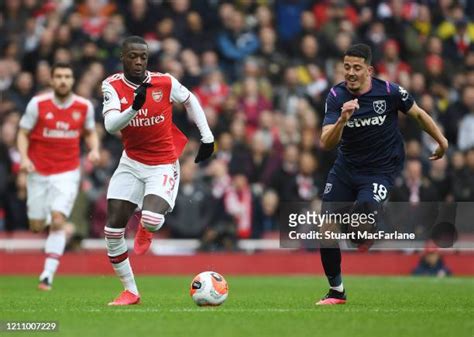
(49, 144)
(139, 104)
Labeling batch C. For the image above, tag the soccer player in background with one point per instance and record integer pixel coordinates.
(49, 144)
(362, 115)
(139, 103)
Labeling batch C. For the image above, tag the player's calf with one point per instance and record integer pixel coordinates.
(54, 249)
(118, 256)
(58, 220)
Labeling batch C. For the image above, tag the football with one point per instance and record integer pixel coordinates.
(209, 289)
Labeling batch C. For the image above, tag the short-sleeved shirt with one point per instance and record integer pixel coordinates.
(371, 140)
(55, 131)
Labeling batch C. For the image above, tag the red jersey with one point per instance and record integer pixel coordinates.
(55, 131)
(151, 137)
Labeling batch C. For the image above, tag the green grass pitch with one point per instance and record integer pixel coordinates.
(257, 306)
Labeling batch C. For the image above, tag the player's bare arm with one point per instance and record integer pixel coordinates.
(92, 141)
(331, 135)
(429, 126)
(23, 142)
(27, 123)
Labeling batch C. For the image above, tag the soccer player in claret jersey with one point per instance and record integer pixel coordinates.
(139, 103)
(49, 145)
(362, 115)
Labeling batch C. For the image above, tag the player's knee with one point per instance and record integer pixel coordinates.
(370, 210)
(36, 226)
(58, 221)
(152, 221)
(364, 218)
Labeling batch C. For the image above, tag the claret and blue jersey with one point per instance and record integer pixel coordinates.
(371, 151)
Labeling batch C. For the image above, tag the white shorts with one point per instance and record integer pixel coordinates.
(55, 192)
(132, 181)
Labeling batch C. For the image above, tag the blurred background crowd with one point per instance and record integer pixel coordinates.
(261, 70)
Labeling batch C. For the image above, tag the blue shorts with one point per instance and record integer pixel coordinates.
(349, 192)
(345, 186)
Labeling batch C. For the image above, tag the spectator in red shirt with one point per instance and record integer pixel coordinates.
(213, 90)
(252, 102)
(391, 67)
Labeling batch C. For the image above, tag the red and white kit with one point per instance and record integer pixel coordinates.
(152, 143)
(54, 148)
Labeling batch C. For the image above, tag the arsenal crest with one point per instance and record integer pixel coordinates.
(157, 95)
(76, 115)
(380, 106)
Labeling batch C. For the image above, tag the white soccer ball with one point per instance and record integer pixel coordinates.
(209, 289)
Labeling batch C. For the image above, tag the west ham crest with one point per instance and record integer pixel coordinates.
(380, 106)
(157, 95)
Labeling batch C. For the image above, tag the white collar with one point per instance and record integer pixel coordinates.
(133, 85)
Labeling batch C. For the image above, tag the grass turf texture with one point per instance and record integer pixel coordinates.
(257, 306)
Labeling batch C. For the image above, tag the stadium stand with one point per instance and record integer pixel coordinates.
(262, 70)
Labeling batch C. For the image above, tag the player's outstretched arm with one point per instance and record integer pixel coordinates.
(332, 133)
(429, 126)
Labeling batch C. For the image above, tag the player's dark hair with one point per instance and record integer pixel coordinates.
(133, 39)
(360, 50)
(61, 65)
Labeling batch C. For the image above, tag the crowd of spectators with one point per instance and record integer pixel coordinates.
(261, 70)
